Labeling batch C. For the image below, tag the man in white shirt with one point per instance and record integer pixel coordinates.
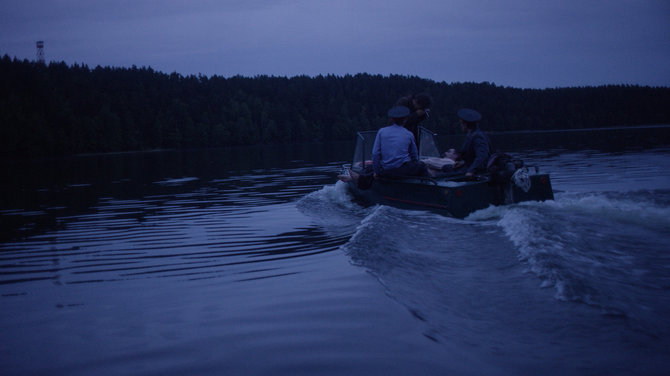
(394, 152)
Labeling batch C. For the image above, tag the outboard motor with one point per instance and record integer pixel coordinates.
(504, 170)
(502, 166)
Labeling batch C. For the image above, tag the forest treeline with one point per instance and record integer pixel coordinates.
(57, 109)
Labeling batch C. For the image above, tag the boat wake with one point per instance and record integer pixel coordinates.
(606, 250)
(332, 208)
(603, 250)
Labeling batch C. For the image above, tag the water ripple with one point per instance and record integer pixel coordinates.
(193, 232)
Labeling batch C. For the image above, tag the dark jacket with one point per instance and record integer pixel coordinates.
(476, 151)
(413, 120)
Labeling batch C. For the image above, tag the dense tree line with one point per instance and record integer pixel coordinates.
(57, 109)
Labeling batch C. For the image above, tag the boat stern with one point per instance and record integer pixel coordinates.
(540, 189)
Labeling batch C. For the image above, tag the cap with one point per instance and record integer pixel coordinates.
(398, 112)
(469, 115)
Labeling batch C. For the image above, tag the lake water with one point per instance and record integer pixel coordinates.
(254, 261)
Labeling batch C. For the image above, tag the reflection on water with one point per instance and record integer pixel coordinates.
(610, 140)
(180, 227)
(254, 261)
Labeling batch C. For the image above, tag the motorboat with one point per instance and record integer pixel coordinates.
(450, 194)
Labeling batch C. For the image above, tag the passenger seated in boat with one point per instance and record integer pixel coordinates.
(394, 152)
(473, 156)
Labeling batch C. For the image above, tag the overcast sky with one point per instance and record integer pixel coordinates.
(518, 43)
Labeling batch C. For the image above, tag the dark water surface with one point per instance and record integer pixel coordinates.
(254, 261)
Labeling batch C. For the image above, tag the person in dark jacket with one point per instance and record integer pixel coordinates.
(419, 110)
(474, 154)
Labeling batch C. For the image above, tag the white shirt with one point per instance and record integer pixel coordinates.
(394, 145)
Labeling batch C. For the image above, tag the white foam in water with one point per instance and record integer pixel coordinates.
(330, 195)
(561, 239)
(370, 231)
(367, 222)
(490, 213)
(176, 181)
(525, 229)
(627, 210)
(333, 208)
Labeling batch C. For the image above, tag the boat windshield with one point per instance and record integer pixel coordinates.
(363, 152)
(365, 141)
(427, 144)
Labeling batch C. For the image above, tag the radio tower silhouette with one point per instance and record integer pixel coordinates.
(40, 51)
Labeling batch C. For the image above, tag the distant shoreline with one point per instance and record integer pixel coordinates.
(617, 128)
(57, 110)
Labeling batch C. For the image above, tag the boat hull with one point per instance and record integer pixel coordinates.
(450, 197)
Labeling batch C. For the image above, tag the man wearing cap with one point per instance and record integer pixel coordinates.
(394, 152)
(476, 148)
